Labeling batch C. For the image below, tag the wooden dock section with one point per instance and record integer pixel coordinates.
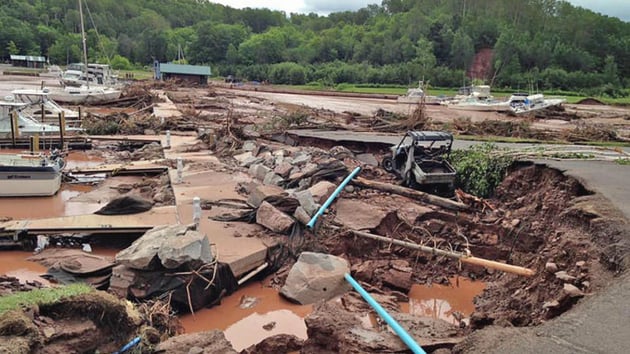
(94, 224)
(242, 253)
(132, 168)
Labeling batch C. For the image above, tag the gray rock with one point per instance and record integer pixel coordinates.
(309, 169)
(143, 251)
(304, 183)
(358, 215)
(283, 169)
(315, 277)
(249, 145)
(551, 267)
(551, 304)
(367, 159)
(244, 156)
(273, 219)
(306, 201)
(321, 191)
(572, 290)
(193, 247)
(349, 189)
(259, 171)
(260, 192)
(272, 179)
(301, 158)
(250, 161)
(564, 276)
(301, 215)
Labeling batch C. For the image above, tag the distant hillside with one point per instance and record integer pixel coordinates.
(551, 44)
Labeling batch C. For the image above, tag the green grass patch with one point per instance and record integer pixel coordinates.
(138, 74)
(624, 162)
(480, 168)
(41, 296)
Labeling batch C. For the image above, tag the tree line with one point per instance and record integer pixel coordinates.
(542, 44)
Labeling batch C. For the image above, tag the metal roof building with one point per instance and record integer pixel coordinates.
(28, 61)
(191, 73)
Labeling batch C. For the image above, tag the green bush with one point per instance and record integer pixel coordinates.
(480, 168)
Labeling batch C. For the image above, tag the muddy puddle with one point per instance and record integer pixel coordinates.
(444, 302)
(261, 312)
(14, 264)
(258, 311)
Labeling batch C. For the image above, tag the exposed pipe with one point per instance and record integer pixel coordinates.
(401, 332)
(252, 273)
(332, 197)
(462, 257)
(129, 345)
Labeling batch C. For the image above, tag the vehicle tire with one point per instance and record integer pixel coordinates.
(387, 164)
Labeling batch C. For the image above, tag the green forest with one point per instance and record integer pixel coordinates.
(541, 44)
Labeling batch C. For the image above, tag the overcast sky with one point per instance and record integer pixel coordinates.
(618, 8)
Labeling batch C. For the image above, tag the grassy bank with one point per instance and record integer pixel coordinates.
(41, 296)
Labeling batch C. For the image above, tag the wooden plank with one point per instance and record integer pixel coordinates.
(92, 223)
(136, 167)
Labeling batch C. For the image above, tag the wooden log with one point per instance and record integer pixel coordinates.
(410, 193)
(462, 257)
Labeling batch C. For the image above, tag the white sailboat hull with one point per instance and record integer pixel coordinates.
(81, 95)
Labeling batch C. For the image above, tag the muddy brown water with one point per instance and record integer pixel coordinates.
(254, 306)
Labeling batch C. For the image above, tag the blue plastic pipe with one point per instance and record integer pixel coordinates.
(332, 197)
(129, 345)
(406, 338)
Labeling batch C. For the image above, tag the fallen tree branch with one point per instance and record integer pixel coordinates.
(409, 193)
(462, 257)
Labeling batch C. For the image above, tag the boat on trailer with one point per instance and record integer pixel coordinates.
(24, 175)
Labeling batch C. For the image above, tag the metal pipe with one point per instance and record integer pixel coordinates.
(401, 332)
(332, 197)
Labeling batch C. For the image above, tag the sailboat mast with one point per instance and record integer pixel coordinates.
(83, 40)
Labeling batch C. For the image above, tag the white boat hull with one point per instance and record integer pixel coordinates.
(29, 176)
(31, 185)
(91, 96)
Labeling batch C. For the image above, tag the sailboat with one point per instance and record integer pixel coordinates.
(87, 93)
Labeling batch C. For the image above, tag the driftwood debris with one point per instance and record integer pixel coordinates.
(460, 256)
(410, 193)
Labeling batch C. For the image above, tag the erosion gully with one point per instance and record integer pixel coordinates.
(254, 309)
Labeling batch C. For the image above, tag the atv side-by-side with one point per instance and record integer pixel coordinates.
(420, 160)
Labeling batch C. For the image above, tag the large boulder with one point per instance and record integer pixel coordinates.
(192, 247)
(273, 219)
(260, 192)
(358, 215)
(321, 191)
(146, 253)
(315, 277)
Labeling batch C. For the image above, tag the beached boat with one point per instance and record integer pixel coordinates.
(522, 103)
(417, 95)
(477, 98)
(85, 95)
(86, 92)
(30, 175)
(78, 75)
(35, 98)
(26, 124)
(481, 105)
